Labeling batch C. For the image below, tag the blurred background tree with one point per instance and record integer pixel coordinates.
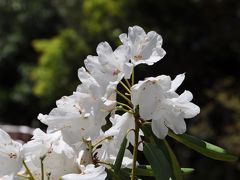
(44, 42)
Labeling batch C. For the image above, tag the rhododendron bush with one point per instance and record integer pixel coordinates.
(92, 135)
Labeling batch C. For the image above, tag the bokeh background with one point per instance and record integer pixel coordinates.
(44, 42)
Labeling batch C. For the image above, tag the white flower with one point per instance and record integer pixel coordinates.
(109, 65)
(89, 83)
(84, 155)
(73, 117)
(104, 148)
(82, 114)
(59, 157)
(10, 156)
(91, 172)
(144, 48)
(172, 113)
(109, 151)
(11, 177)
(158, 101)
(120, 127)
(103, 98)
(148, 93)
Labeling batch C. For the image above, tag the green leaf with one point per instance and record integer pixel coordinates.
(187, 170)
(125, 174)
(141, 170)
(164, 146)
(120, 155)
(148, 134)
(111, 175)
(160, 165)
(144, 170)
(174, 162)
(203, 147)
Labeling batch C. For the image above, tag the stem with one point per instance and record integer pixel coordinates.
(28, 171)
(128, 83)
(133, 76)
(122, 104)
(42, 168)
(127, 94)
(102, 162)
(128, 90)
(48, 176)
(120, 108)
(124, 97)
(100, 141)
(135, 150)
(22, 176)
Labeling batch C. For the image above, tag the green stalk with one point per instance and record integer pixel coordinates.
(124, 97)
(48, 176)
(22, 176)
(133, 76)
(128, 83)
(128, 90)
(100, 141)
(125, 105)
(127, 94)
(123, 109)
(28, 171)
(42, 168)
(135, 150)
(102, 162)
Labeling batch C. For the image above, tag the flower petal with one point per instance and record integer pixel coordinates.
(10, 155)
(159, 128)
(177, 82)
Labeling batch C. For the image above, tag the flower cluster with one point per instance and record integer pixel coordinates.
(79, 143)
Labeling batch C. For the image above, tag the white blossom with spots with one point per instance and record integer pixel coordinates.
(59, 157)
(158, 101)
(109, 66)
(10, 156)
(144, 48)
(73, 118)
(82, 114)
